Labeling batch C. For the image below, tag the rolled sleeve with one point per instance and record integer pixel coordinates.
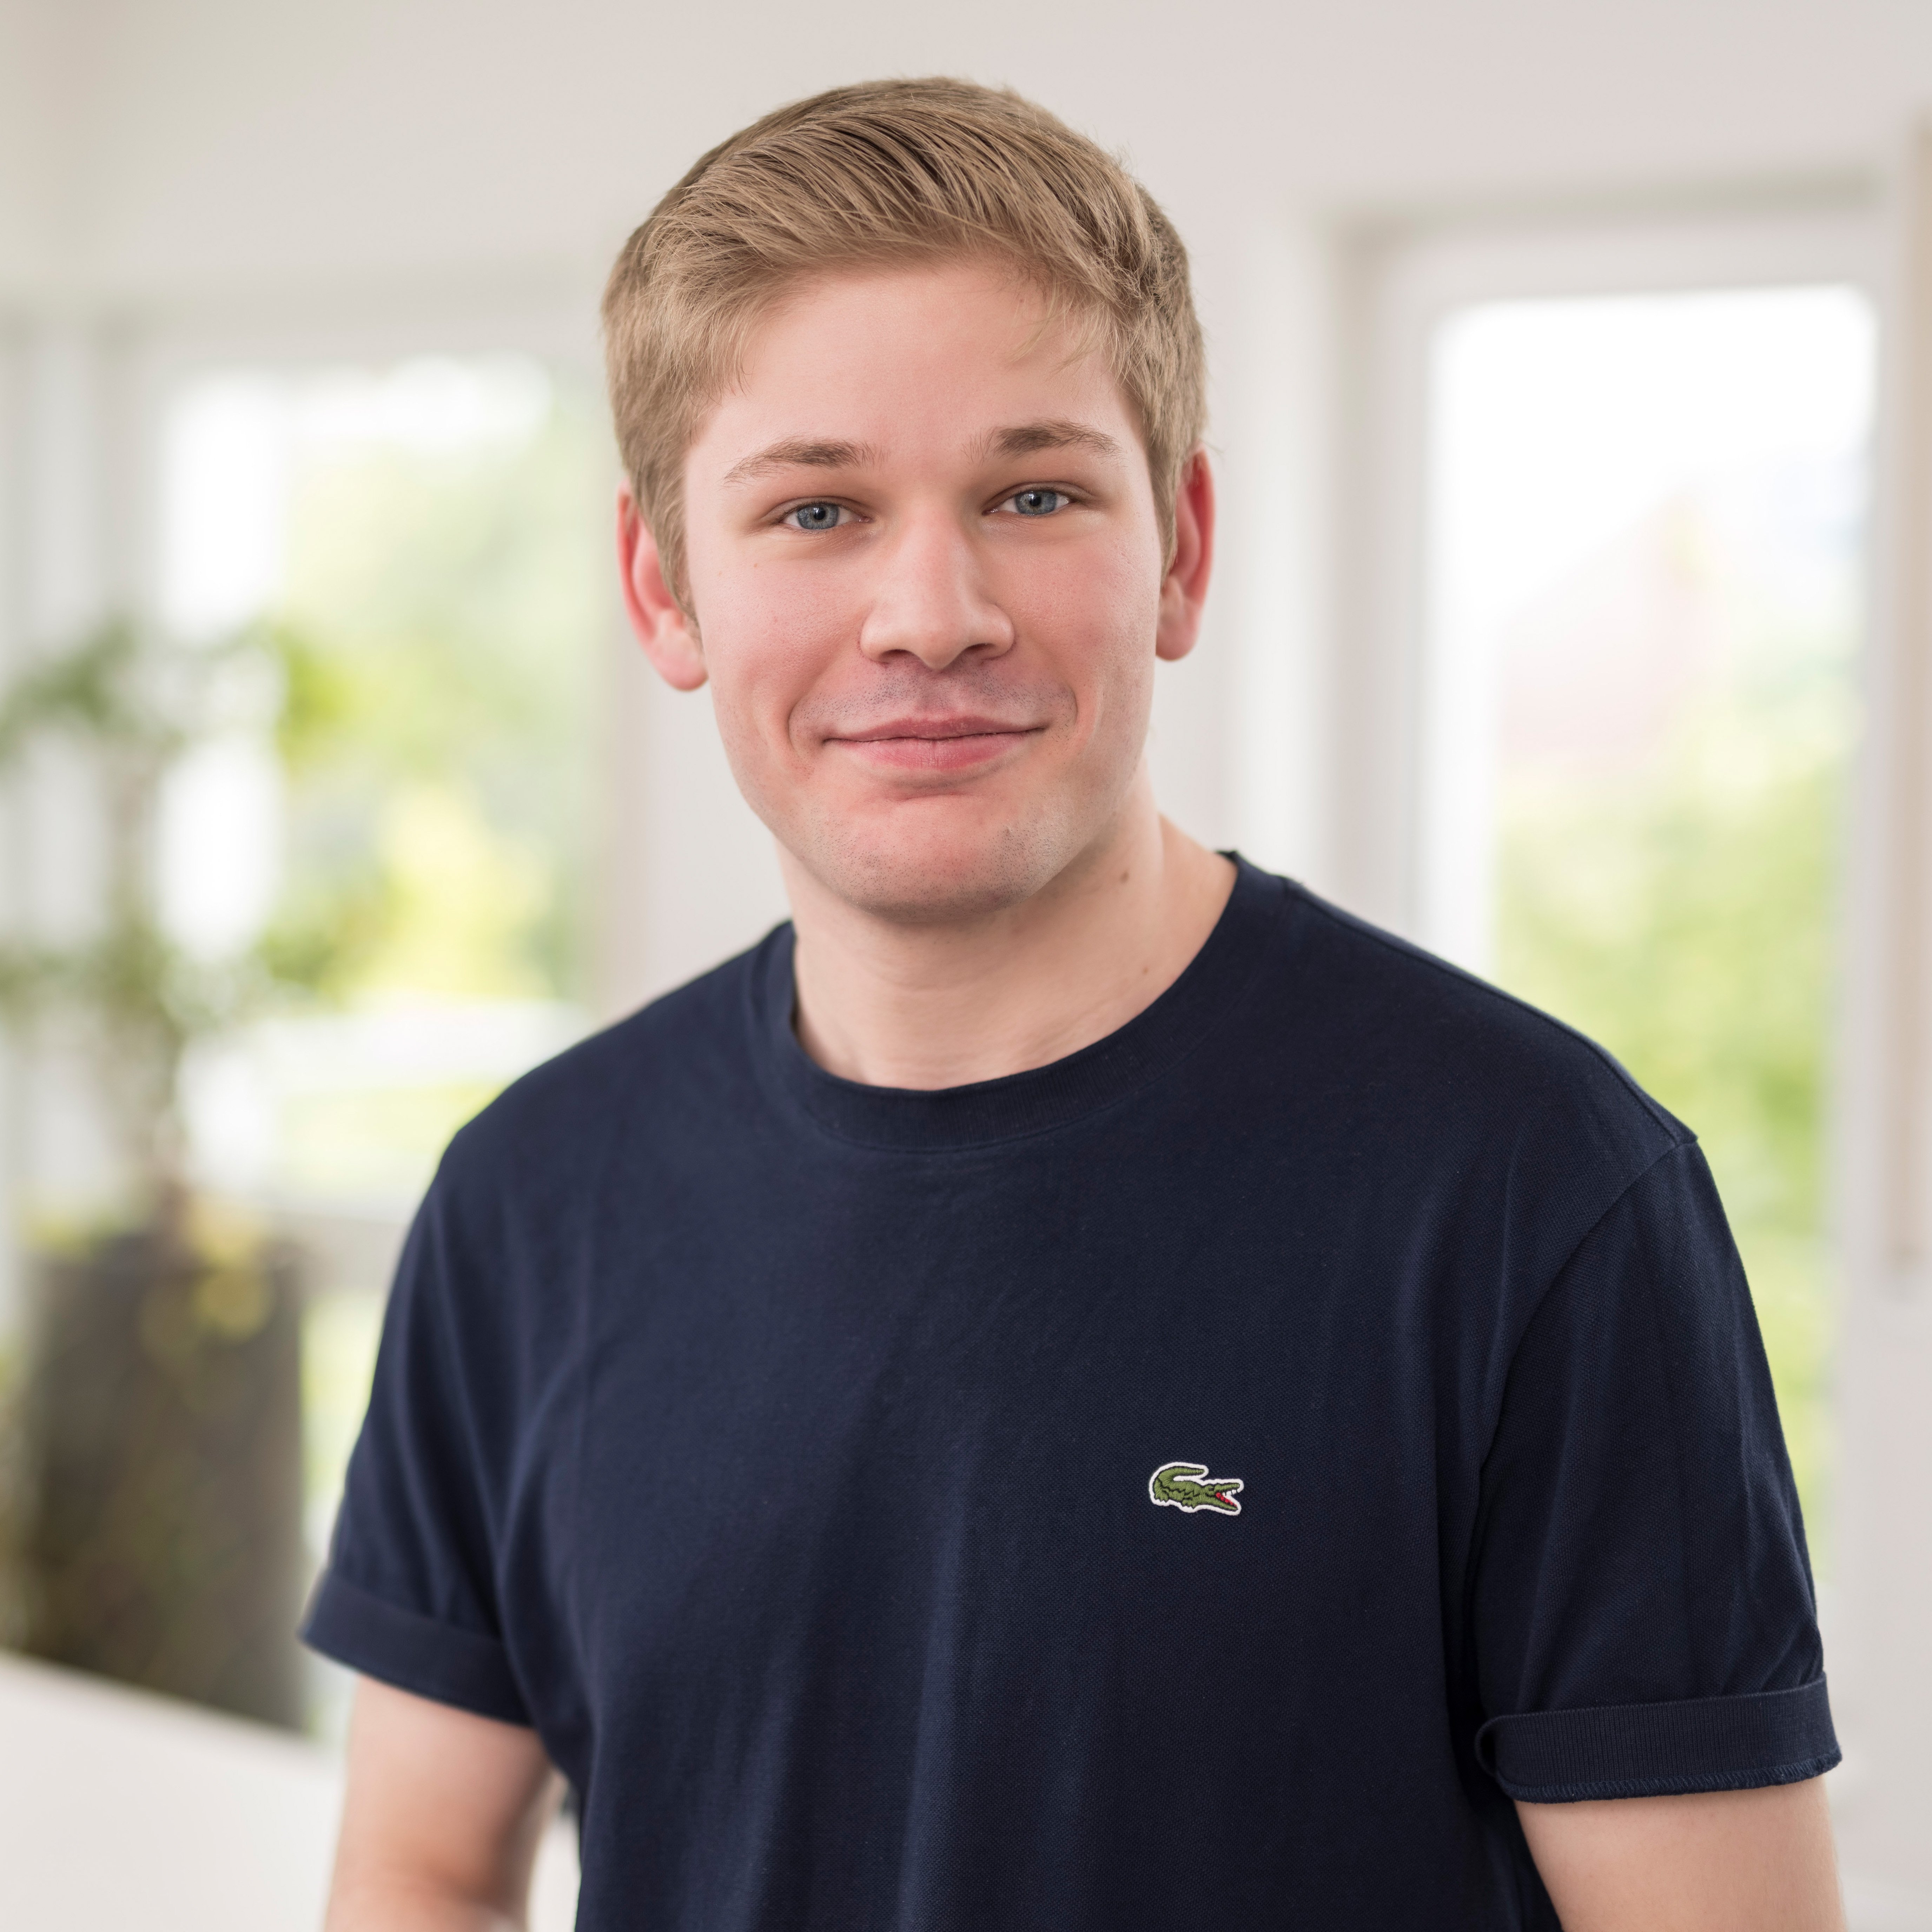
(413, 1652)
(1656, 1750)
(1644, 1622)
(410, 1594)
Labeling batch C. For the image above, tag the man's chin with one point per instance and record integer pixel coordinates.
(939, 880)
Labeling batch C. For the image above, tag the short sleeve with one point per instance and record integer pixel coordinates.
(408, 1594)
(1643, 1617)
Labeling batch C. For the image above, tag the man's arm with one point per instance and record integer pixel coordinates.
(1715, 1862)
(441, 1819)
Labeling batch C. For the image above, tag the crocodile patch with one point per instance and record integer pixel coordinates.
(1187, 1486)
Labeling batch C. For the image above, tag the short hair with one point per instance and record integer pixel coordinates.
(885, 174)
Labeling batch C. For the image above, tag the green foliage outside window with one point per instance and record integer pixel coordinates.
(438, 627)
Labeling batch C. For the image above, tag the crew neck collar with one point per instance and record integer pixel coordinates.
(1042, 1098)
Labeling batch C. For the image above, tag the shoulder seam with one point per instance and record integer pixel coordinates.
(1556, 1275)
(1479, 1520)
(1680, 1135)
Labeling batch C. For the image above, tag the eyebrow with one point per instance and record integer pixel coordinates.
(1052, 433)
(799, 452)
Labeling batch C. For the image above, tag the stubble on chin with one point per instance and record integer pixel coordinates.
(955, 878)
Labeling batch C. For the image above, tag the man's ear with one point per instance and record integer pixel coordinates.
(656, 615)
(1184, 588)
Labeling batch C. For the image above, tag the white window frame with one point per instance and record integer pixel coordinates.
(554, 320)
(1398, 706)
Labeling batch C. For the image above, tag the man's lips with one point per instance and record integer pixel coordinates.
(953, 725)
(952, 743)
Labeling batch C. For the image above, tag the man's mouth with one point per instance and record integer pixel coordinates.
(951, 743)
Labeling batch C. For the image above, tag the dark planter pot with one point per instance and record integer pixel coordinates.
(163, 1414)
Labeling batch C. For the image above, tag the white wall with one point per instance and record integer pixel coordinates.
(225, 139)
(34, 45)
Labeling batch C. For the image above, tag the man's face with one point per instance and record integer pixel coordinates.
(928, 574)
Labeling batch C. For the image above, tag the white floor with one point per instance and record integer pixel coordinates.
(122, 1812)
(1877, 1908)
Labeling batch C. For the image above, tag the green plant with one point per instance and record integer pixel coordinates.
(131, 707)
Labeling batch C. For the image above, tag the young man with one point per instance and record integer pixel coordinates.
(1075, 1387)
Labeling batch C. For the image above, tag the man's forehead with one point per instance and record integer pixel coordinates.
(849, 366)
(1010, 440)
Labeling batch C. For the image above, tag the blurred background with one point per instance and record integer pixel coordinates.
(1572, 402)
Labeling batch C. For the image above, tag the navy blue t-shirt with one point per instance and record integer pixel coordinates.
(1195, 1484)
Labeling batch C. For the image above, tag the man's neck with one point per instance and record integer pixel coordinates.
(892, 1005)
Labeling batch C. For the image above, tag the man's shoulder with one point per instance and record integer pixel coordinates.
(1423, 1048)
(685, 1055)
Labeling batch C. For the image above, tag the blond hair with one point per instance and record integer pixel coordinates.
(885, 174)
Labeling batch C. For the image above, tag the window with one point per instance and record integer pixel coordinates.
(406, 833)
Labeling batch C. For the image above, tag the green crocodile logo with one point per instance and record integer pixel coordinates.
(1179, 1486)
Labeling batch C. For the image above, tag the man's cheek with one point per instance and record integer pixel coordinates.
(747, 734)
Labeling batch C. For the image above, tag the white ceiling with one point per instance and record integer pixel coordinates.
(161, 147)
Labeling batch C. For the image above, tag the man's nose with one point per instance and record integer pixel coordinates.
(932, 599)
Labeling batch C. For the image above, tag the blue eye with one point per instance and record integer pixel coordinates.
(1038, 502)
(815, 517)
